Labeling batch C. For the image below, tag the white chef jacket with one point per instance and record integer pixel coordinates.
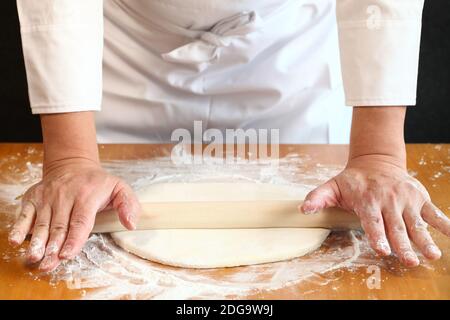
(152, 66)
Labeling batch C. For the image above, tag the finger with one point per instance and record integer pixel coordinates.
(23, 224)
(126, 204)
(436, 218)
(80, 226)
(398, 238)
(58, 233)
(373, 225)
(417, 230)
(322, 197)
(40, 234)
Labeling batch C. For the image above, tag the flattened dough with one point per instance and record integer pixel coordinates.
(214, 248)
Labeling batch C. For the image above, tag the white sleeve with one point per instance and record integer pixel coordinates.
(62, 44)
(379, 45)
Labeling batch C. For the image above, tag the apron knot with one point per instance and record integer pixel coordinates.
(205, 47)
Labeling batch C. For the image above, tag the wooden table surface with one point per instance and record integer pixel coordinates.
(430, 162)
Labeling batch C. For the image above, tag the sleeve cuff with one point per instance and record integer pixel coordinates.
(63, 52)
(385, 101)
(380, 58)
(64, 108)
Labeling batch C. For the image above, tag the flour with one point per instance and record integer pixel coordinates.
(119, 275)
(104, 271)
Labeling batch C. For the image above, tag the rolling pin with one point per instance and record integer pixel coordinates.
(228, 215)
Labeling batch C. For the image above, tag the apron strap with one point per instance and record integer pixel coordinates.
(206, 45)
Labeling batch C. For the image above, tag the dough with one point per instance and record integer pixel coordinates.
(212, 248)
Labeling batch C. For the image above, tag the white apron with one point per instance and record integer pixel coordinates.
(269, 64)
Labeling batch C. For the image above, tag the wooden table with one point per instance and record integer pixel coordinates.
(430, 162)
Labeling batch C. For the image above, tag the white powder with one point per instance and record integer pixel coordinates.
(119, 275)
(111, 273)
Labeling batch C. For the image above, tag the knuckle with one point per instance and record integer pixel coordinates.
(396, 188)
(79, 222)
(391, 195)
(43, 208)
(48, 196)
(60, 201)
(58, 228)
(368, 196)
(54, 184)
(36, 190)
(62, 192)
(369, 227)
(392, 216)
(396, 228)
(372, 217)
(22, 216)
(84, 192)
(33, 195)
(399, 228)
(415, 186)
(405, 185)
(42, 224)
(83, 189)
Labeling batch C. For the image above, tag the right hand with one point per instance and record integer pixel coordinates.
(60, 210)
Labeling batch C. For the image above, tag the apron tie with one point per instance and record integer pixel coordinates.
(205, 47)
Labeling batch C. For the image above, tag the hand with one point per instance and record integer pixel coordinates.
(60, 210)
(393, 207)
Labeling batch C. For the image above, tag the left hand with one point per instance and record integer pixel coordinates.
(394, 208)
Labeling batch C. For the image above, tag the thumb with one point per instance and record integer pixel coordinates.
(324, 196)
(126, 204)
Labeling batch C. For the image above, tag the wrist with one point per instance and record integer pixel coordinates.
(68, 138)
(54, 152)
(375, 160)
(79, 162)
(392, 152)
(57, 153)
(377, 135)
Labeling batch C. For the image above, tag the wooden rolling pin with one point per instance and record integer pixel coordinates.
(228, 215)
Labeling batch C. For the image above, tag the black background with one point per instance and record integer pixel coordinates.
(426, 122)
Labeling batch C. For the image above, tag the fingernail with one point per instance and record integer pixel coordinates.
(66, 252)
(307, 207)
(433, 251)
(309, 211)
(46, 263)
(14, 237)
(36, 248)
(411, 257)
(383, 246)
(130, 219)
(52, 248)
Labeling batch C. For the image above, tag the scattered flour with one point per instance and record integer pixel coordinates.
(104, 271)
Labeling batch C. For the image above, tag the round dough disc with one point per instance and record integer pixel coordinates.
(214, 248)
